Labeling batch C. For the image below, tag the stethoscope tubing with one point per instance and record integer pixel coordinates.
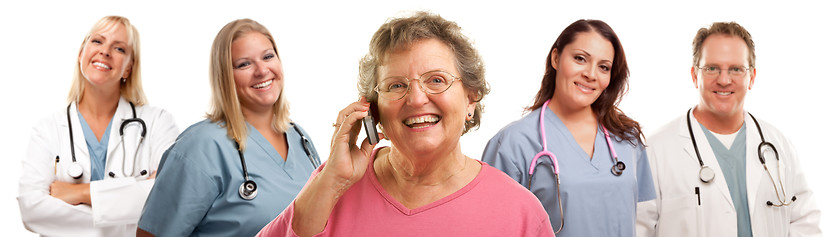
(544, 151)
(77, 171)
(705, 169)
(248, 189)
(617, 168)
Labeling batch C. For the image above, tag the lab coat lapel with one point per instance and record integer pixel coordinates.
(79, 144)
(719, 182)
(115, 157)
(81, 149)
(754, 168)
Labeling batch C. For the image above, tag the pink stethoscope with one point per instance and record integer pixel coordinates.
(617, 168)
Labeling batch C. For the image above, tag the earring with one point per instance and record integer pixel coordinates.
(122, 79)
(469, 114)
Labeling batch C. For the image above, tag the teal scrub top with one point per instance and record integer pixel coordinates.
(733, 164)
(98, 149)
(197, 187)
(595, 202)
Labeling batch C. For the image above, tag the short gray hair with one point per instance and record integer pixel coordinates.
(400, 33)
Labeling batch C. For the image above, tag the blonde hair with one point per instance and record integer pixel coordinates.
(132, 88)
(225, 107)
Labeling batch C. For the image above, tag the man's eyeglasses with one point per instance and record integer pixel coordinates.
(714, 71)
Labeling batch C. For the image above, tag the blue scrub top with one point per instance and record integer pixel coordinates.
(197, 187)
(98, 149)
(595, 202)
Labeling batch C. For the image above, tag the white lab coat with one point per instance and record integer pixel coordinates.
(675, 168)
(117, 201)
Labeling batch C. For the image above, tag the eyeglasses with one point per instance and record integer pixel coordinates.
(432, 82)
(714, 71)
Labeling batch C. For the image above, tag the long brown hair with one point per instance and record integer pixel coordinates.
(605, 106)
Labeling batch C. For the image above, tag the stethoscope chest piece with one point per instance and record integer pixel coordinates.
(248, 190)
(618, 168)
(706, 174)
(75, 170)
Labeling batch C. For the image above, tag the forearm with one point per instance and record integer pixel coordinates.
(71, 193)
(315, 203)
(143, 233)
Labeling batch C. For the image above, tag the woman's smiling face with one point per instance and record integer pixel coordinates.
(421, 123)
(257, 71)
(583, 70)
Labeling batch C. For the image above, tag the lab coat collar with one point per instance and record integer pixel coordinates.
(80, 147)
(116, 154)
(754, 167)
(123, 112)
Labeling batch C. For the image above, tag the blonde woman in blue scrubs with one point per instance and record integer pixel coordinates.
(232, 173)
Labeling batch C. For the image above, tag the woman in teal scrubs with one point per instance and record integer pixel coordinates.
(574, 117)
(232, 173)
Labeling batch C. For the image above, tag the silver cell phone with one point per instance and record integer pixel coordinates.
(370, 129)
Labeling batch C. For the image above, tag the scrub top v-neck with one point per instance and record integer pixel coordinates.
(197, 189)
(595, 202)
(98, 149)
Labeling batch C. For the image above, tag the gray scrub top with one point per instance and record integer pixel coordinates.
(197, 187)
(595, 202)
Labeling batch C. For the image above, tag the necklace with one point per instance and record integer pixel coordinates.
(434, 184)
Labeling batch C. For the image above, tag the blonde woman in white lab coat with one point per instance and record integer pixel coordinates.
(708, 176)
(90, 166)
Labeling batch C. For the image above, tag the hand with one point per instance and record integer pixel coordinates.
(152, 175)
(73, 194)
(348, 162)
(345, 167)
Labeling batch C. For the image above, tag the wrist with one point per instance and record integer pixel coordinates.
(85, 190)
(334, 185)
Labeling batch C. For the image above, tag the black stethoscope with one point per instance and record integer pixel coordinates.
(617, 168)
(248, 189)
(707, 174)
(75, 170)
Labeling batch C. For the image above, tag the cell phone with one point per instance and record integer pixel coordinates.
(370, 129)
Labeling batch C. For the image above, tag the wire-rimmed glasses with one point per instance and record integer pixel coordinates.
(714, 71)
(432, 82)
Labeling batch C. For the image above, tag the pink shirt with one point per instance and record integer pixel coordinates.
(492, 204)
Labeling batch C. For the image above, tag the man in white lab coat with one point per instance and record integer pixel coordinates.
(709, 176)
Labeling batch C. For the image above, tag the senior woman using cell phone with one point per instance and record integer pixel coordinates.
(424, 82)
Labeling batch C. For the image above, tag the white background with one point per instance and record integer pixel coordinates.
(320, 44)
